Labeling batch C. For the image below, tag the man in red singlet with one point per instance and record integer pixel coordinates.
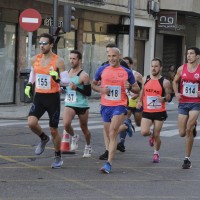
(155, 92)
(188, 76)
(47, 67)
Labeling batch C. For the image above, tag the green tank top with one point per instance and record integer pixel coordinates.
(74, 98)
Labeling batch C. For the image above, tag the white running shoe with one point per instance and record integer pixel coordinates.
(87, 151)
(74, 142)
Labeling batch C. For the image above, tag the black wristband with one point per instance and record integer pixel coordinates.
(164, 98)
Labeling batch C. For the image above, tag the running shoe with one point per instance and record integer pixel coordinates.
(186, 164)
(195, 130)
(104, 156)
(106, 168)
(156, 158)
(74, 142)
(57, 163)
(151, 140)
(41, 146)
(121, 147)
(131, 128)
(87, 151)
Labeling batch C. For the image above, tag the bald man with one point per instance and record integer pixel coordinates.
(115, 79)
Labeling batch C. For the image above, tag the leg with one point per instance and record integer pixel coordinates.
(145, 126)
(193, 116)
(182, 122)
(36, 128)
(83, 120)
(68, 116)
(138, 118)
(104, 156)
(56, 138)
(156, 133)
(34, 125)
(116, 121)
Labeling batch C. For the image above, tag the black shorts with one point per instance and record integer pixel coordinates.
(47, 102)
(160, 116)
(78, 110)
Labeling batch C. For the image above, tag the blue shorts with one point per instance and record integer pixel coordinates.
(185, 108)
(107, 112)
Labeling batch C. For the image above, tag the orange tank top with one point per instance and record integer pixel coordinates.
(44, 83)
(153, 89)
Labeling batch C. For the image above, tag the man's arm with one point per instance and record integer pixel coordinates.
(97, 88)
(85, 80)
(176, 82)
(142, 90)
(168, 89)
(64, 76)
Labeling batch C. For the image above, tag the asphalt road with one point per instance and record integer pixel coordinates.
(25, 176)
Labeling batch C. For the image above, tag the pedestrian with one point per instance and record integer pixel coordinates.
(115, 79)
(188, 80)
(45, 72)
(155, 92)
(170, 76)
(132, 102)
(76, 102)
(126, 126)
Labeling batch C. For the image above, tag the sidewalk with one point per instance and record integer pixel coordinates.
(21, 112)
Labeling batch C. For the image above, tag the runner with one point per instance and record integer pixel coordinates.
(188, 78)
(155, 92)
(46, 68)
(114, 81)
(76, 102)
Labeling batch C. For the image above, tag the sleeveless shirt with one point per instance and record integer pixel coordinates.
(44, 82)
(190, 85)
(74, 98)
(153, 89)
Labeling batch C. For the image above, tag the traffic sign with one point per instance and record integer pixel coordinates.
(30, 20)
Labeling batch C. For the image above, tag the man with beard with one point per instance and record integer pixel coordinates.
(188, 78)
(76, 102)
(45, 72)
(155, 92)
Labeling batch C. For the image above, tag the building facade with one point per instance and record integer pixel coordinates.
(91, 35)
(165, 33)
(177, 28)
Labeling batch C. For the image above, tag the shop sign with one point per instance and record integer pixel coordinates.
(171, 21)
(49, 22)
(167, 20)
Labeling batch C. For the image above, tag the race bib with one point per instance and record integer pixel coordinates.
(115, 93)
(190, 89)
(153, 103)
(43, 81)
(70, 96)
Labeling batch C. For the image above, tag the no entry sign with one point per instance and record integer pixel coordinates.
(30, 20)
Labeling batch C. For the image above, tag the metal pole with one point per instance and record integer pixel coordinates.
(30, 34)
(132, 29)
(55, 22)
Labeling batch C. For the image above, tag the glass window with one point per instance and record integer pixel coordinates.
(7, 60)
(94, 51)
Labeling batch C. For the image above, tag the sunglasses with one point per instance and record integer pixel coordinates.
(43, 43)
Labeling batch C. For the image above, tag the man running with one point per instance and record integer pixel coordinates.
(155, 92)
(115, 79)
(76, 101)
(132, 102)
(46, 68)
(188, 78)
